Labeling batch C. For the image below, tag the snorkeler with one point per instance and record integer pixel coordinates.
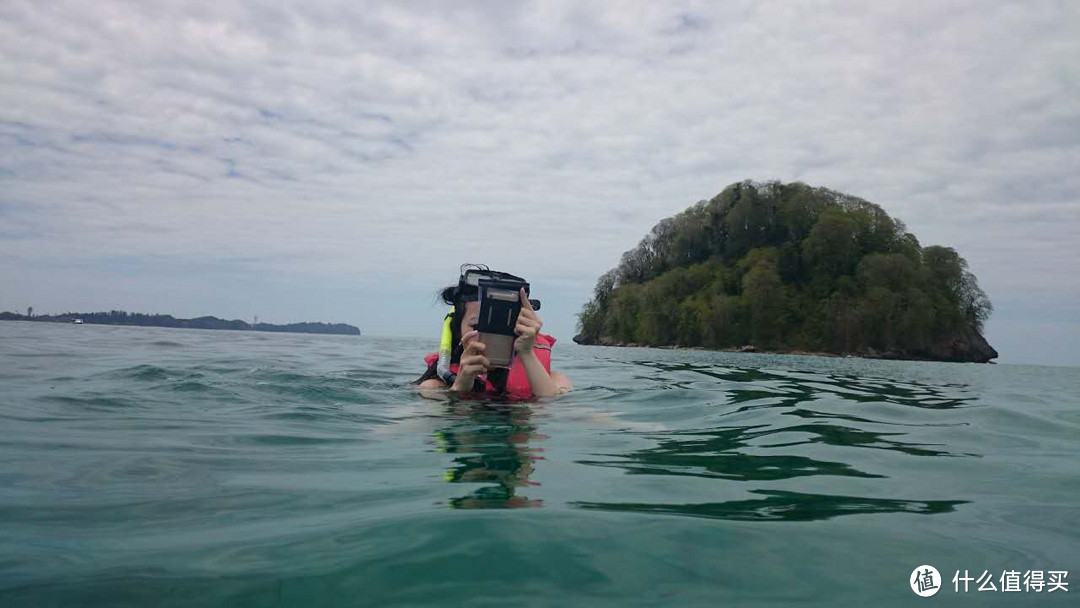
(478, 356)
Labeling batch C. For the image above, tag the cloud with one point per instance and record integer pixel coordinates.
(361, 142)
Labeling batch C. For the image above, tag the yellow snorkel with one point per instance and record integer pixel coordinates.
(446, 348)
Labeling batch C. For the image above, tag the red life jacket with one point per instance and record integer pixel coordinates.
(517, 382)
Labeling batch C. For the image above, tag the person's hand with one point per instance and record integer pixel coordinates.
(528, 326)
(473, 362)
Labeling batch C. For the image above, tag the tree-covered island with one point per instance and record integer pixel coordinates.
(120, 317)
(790, 268)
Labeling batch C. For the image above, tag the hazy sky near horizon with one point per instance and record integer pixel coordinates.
(338, 160)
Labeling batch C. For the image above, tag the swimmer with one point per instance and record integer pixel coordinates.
(461, 366)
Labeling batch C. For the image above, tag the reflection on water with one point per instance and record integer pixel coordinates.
(791, 388)
(715, 454)
(490, 444)
(772, 447)
(779, 505)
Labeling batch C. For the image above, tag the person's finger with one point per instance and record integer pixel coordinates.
(475, 367)
(469, 337)
(525, 303)
(473, 359)
(532, 318)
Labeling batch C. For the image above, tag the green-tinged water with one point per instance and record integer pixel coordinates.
(155, 467)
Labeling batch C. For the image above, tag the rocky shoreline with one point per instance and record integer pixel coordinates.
(970, 349)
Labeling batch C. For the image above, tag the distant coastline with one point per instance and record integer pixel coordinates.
(120, 317)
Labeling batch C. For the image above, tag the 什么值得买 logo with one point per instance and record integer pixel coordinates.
(925, 581)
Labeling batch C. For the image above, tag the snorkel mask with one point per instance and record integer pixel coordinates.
(472, 274)
(471, 282)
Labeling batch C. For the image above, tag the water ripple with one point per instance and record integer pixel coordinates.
(177, 467)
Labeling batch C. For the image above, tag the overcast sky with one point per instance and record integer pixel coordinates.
(337, 161)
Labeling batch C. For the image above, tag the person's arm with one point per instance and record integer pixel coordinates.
(561, 381)
(540, 381)
(432, 388)
(528, 326)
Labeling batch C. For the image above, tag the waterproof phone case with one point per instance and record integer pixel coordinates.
(500, 305)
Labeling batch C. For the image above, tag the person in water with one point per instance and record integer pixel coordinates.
(461, 365)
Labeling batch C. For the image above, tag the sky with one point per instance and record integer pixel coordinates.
(338, 160)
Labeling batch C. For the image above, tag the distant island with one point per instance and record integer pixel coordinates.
(774, 267)
(120, 317)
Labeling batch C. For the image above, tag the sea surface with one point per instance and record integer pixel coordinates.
(164, 467)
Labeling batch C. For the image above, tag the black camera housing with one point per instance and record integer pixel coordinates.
(500, 305)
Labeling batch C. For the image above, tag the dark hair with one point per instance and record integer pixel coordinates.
(452, 297)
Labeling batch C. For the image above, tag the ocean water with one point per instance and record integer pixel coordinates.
(159, 467)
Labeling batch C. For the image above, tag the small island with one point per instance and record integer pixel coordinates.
(790, 268)
(120, 317)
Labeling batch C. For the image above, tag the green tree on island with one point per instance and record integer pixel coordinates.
(790, 267)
